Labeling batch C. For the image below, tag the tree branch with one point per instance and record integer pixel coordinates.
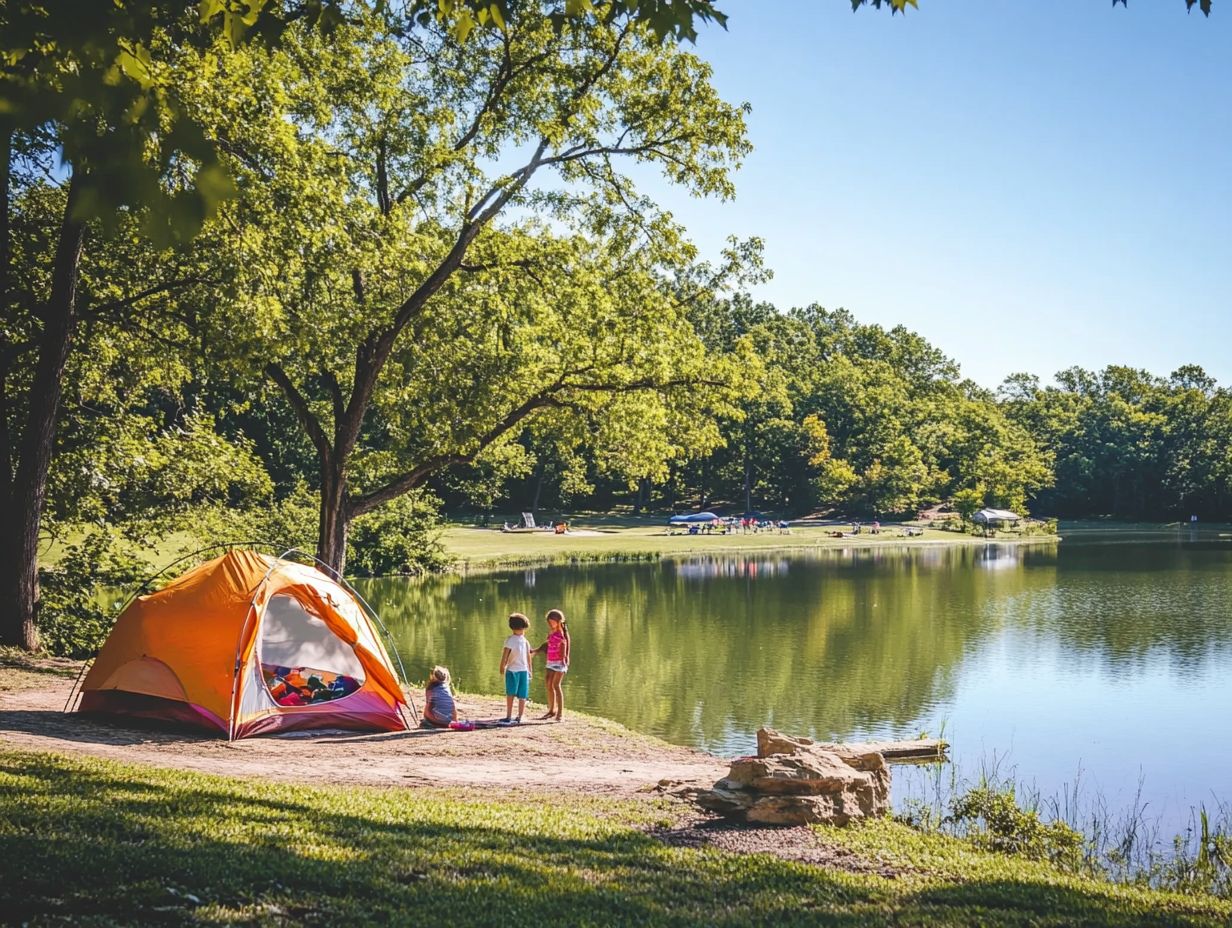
(335, 395)
(311, 424)
(368, 501)
(371, 358)
(382, 178)
(548, 398)
(101, 308)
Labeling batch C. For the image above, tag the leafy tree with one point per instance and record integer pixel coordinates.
(417, 306)
(968, 502)
(81, 458)
(834, 477)
(1130, 444)
(100, 89)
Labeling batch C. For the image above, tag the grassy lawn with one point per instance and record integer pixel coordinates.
(629, 539)
(98, 843)
(618, 538)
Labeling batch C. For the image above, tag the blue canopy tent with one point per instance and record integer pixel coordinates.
(692, 517)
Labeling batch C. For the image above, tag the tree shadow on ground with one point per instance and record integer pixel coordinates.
(110, 844)
(52, 667)
(88, 729)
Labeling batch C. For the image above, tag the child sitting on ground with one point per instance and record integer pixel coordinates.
(439, 706)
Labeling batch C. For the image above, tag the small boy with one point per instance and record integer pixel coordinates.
(515, 665)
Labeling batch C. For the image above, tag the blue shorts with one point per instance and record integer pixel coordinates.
(517, 683)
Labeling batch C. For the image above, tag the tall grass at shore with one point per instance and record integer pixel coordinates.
(1077, 830)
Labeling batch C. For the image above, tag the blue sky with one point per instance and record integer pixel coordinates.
(1030, 184)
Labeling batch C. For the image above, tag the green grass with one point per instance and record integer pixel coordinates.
(621, 538)
(952, 872)
(99, 843)
(631, 539)
(156, 555)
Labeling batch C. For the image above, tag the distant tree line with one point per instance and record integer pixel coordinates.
(857, 419)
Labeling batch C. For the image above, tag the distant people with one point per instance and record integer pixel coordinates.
(1193, 519)
(876, 527)
(515, 666)
(560, 528)
(439, 706)
(557, 648)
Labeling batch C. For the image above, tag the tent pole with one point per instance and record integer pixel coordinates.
(77, 683)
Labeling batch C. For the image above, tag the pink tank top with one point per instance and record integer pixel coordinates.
(556, 646)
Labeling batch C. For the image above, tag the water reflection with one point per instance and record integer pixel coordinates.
(703, 651)
(1081, 654)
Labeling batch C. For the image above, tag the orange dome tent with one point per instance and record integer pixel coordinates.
(247, 644)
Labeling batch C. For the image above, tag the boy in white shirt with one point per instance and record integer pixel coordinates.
(515, 665)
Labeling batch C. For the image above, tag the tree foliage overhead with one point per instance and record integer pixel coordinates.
(435, 244)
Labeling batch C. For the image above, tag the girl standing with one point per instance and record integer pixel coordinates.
(557, 647)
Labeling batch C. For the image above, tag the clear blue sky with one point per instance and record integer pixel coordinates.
(1030, 184)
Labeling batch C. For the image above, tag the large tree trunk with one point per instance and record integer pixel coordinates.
(28, 488)
(534, 503)
(335, 519)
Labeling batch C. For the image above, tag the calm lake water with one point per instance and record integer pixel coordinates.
(1106, 657)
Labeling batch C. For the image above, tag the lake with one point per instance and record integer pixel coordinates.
(1106, 658)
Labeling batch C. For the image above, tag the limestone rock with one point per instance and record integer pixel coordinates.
(797, 781)
(836, 809)
(729, 802)
(770, 742)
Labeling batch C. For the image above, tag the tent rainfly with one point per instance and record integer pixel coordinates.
(247, 644)
(992, 516)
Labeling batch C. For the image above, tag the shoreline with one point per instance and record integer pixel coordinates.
(585, 754)
(484, 550)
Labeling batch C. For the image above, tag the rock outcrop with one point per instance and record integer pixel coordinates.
(795, 781)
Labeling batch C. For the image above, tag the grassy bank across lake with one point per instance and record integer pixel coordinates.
(613, 538)
(103, 843)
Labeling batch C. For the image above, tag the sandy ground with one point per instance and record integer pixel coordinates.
(580, 753)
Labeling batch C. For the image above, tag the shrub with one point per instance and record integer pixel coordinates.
(993, 819)
(80, 597)
(402, 537)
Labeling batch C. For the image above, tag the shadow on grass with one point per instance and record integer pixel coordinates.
(117, 845)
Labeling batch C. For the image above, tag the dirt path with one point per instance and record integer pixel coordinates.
(581, 753)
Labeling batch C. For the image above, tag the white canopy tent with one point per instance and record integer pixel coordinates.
(993, 516)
